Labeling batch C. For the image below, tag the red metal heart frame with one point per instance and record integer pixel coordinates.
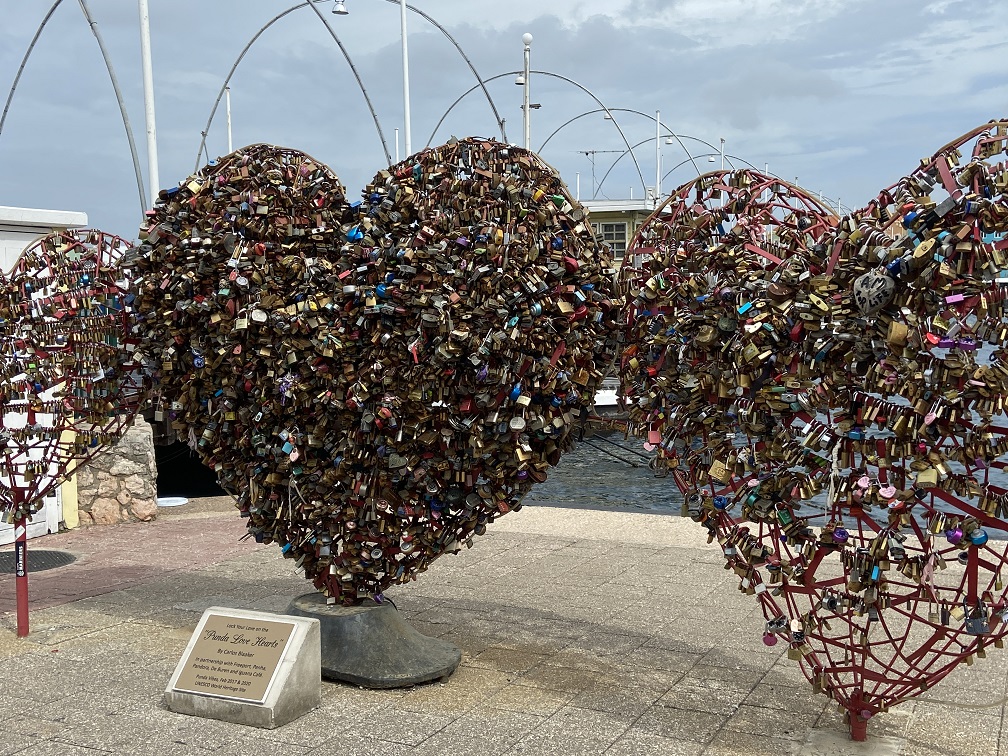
(70, 387)
(851, 393)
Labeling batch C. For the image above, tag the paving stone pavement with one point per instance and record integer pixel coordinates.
(583, 632)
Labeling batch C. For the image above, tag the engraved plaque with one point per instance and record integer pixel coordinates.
(234, 657)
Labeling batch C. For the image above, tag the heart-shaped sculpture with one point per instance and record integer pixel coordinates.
(70, 386)
(377, 380)
(842, 436)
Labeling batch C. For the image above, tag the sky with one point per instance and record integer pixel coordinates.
(844, 96)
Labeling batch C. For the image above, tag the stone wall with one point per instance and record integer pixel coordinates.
(121, 484)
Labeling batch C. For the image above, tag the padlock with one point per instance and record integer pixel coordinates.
(976, 619)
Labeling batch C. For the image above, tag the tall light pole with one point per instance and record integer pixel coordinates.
(722, 169)
(527, 41)
(148, 88)
(341, 10)
(405, 80)
(657, 150)
(227, 91)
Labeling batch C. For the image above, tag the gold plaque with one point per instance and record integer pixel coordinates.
(235, 657)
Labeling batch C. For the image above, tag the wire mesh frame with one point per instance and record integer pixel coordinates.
(884, 620)
(70, 385)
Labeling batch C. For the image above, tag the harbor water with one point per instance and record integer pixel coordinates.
(607, 471)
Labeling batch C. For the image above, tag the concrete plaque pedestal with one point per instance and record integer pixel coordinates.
(371, 645)
(251, 668)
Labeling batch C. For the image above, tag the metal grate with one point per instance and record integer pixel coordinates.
(38, 560)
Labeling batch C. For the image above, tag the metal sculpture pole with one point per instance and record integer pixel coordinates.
(21, 574)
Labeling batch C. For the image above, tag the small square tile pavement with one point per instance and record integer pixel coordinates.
(583, 632)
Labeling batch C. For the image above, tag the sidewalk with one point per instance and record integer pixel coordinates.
(582, 631)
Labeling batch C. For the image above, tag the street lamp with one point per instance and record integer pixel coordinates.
(481, 83)
(658, 141)
(722, 194)
(711, 158)
(148, 91)
(340, 9)
(227, 91)
(524, 80)
(553, 75)
(405, 80)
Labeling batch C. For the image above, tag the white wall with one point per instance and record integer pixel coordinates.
(20, 226)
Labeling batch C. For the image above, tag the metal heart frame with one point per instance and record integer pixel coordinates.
(70, 386)
(842, 457)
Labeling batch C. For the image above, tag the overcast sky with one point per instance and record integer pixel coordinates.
(845, 95)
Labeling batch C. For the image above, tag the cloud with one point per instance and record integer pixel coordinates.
(720, 24)
(844, 94)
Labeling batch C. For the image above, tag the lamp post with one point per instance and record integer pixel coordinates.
(227, 92)
(340, 9)
(657, 150)
(554, 75)
(248, 45)
(405, 80)
(711, 158)
(722, 170)
(671, 138)
(527, 41)
(148, 89)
